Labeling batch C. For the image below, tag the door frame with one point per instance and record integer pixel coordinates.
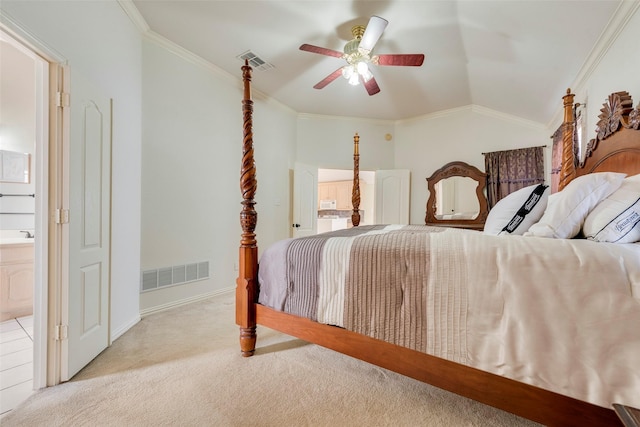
(50, 258)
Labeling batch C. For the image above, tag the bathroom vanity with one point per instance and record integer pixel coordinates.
(16, 277)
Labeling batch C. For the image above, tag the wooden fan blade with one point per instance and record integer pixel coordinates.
(372, 33)
(371, 86)
(403, 60)
(331, 77)
(321, 50)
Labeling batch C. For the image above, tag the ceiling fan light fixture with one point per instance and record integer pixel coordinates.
(354, 79)
(363, 70)
(347, 71)
(353, 72)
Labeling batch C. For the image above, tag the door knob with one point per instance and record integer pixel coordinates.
(296, 225)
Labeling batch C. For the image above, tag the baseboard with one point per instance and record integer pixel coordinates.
(178, 303)
(124, 328)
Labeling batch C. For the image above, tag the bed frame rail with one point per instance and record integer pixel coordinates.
(524, 400)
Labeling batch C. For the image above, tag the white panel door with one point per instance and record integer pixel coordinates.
(89, 227)
(305, 200)
(392, 196)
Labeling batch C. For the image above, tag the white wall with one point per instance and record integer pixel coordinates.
(192, 148)
(425, 144)
(103, 47)
(327, 142)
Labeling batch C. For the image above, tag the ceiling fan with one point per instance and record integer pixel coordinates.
(357, 53)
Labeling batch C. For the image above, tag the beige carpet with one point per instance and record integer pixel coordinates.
(182, 367)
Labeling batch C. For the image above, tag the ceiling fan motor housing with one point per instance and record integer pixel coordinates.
(352, 54)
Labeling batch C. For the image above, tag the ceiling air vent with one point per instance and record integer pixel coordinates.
(255, 61)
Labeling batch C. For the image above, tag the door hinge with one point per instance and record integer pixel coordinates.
(63, 99)
(62, 216)
(61, 332)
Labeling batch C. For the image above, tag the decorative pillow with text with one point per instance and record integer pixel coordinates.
(518, 211)
(616, 219)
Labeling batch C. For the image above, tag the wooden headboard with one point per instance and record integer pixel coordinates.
(616, 147)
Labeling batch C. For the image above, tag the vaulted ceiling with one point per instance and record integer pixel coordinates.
(512, 56)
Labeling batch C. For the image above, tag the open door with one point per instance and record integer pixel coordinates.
(392, 196)
(305, 200)
(89, 222)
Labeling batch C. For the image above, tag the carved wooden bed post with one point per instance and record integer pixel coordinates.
(355, 193)
(568, 165)
(246, 284)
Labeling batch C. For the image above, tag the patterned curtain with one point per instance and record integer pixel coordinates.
(511, 170)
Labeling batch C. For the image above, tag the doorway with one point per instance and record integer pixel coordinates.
(23, 213)
(334, 199)
(71, 295)
(384, 198)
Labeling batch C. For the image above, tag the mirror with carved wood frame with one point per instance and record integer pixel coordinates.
(450, 170)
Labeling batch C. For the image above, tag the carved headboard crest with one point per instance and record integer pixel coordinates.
(634, 119)
(617, 112)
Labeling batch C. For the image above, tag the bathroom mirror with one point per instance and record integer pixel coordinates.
(14, 167)
(456, 197)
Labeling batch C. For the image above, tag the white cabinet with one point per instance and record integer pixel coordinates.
(327, 191)
(340, 191)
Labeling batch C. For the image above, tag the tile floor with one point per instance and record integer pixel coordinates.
(16, 362)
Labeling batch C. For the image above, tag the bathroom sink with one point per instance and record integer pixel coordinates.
(15, 240)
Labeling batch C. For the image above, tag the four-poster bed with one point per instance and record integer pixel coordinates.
(529, 401)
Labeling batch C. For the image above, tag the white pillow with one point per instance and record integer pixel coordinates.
(567, 209)
(617, 218)
(518, 211)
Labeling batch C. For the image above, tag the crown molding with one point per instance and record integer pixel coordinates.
(610, 34)
(134, 14)
(232, 79)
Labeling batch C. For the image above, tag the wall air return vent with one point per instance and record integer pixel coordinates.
(255, 61)
(158, 278)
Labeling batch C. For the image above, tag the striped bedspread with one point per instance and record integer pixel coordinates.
(558, 314)
(375, 280)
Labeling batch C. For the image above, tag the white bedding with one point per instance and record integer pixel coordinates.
(563, 315)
